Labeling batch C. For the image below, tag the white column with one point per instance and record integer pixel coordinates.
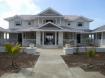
(60, 39)
(102, 38)
(74, 38)
(96, 41)
(5, 35)
(38, 38)
(42, 38)
(55, 38)
(22, 39)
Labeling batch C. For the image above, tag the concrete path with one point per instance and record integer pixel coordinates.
(50, 51)
(51, 66)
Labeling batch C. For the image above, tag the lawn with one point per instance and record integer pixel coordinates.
(81, 60)
(23, 61)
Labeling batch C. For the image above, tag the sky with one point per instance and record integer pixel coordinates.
(93, 9)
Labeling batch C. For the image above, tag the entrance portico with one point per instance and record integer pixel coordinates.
(53, 39)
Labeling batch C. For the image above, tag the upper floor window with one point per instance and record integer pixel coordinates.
(69, 24)
(80, 24)
(18, 23)
(29, 23)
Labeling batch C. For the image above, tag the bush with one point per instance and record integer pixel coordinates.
(91, 53)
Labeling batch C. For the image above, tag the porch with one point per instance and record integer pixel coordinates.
(99, 39)
(49, 39)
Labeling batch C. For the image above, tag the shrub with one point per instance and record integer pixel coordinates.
(91, 53)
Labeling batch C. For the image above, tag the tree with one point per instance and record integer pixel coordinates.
(13, 50)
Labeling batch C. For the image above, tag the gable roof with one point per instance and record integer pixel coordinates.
(49, 12)
(99, 29)
(50, 25)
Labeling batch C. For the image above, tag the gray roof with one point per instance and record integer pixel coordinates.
(49, 12)
(69, 29)
(3, 30)
(32, 17)
(75, 17)
(99, 29)
(64, 29)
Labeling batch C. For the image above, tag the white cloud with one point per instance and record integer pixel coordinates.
(17, 7)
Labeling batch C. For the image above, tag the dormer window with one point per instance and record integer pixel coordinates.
(80, 24)
(18, 23)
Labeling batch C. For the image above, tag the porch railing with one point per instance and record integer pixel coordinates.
(100, 42)
(69, 41)
(5, 41)
(27, 42)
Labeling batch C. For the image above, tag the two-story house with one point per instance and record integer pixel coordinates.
(49, 28)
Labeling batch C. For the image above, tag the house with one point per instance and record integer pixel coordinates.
(49, 28)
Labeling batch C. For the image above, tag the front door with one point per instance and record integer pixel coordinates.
(20, 38)
(49, 38)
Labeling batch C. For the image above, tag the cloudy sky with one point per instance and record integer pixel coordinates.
(93, 9)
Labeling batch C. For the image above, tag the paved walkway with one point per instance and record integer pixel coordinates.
(51, 65)
(50, 51)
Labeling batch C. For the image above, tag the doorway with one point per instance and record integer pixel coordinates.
(20, 38)
(78, 38)
(49, 38)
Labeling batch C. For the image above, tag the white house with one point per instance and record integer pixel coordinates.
(49, 28)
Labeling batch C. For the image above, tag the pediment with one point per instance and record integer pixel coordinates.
(49, 12)
(50, 26)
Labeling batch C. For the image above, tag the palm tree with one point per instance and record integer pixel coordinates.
(12, 50)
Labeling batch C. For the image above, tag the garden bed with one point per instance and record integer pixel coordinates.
(23, 61)
(81, 60)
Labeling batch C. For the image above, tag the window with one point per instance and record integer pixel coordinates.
(69, 24)
(29, 23)
(18, 23)
(80, 24)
